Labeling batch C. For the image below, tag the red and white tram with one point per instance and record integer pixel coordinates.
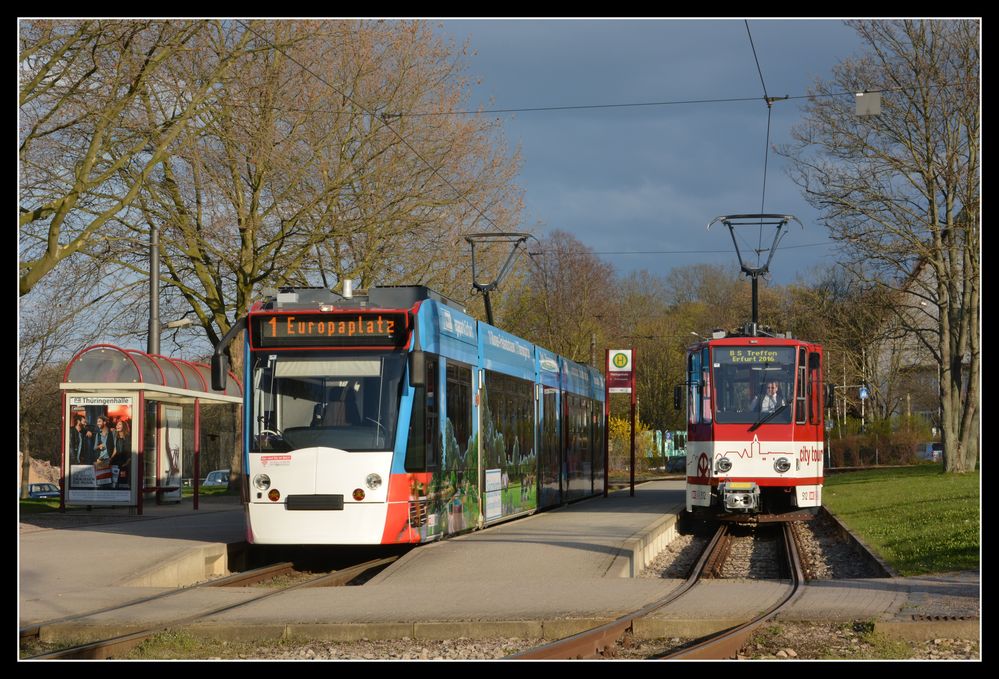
(754, 426)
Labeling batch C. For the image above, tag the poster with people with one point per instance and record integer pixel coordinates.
(99, 458)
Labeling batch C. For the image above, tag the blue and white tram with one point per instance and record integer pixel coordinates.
(395, 417)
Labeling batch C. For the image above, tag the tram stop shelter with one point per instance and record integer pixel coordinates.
(150, 409)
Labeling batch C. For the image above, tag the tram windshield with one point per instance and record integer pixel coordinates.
(753, 384)
(348, 401)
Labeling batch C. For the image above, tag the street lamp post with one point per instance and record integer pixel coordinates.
(153, 342)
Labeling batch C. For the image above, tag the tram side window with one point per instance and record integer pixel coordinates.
(706, 388)
(699, 378)
(551, 425)
(416, 448)
(433, 408)
(459, 403)
(800, 400)
(509, 402)
(570, 428)
(694, 382)
(421, 449)
(815, 387)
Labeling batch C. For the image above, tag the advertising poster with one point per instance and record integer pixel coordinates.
(172, 451)
(494, 494)
(99, 457)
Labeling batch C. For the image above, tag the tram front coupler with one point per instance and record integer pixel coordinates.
(739, 496)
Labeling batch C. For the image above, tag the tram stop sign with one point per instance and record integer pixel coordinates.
(620, 370)
(863, 393)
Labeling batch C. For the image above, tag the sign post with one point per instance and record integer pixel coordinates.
(607, 432)
(621, 380)
(863, 402)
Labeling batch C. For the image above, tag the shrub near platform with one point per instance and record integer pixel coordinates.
(918, 518)
(860, 450)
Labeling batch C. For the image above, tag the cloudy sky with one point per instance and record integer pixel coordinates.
(648, 179)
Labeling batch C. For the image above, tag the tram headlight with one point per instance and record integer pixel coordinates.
(724, 465)
(373, 481)
(262, 481)
(782, 465)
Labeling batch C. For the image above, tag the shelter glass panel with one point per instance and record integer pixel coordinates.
(191, 375)
(171, 372)
(150, 370)
(103, 365)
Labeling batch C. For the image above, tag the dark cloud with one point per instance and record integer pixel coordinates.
(651, 178)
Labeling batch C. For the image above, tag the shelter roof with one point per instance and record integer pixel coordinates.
(105, 367)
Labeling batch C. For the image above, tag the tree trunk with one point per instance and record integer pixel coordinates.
(25, 473)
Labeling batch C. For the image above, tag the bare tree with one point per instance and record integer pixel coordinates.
(651, 324)
(296, 173)
(901, 192)
(89, 138)
(417, 178)
(565, 303)
(291, 175)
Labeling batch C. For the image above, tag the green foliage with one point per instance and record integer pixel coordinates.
(619, 429)
(919, 519)
(881, 647)
(32, 506)
(882, 442)
(648, 458)
(188, 491)
(185, 646)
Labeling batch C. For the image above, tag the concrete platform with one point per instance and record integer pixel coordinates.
(547, 576)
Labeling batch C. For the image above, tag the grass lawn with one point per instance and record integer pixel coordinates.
(43, 506)
(31, 506)
(188, 491)
(919, 519)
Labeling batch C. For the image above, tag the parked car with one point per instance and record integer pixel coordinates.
(217, 479)
(930, 451)
(676, 463)
(43, 490)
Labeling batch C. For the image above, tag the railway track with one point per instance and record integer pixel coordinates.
(119, 645)
(596, 643)
(727, 644)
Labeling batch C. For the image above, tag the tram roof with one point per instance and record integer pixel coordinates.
(105, 367)
(743, 340)
(378, 297)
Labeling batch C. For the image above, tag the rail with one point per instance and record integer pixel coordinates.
(593, 643)
(728, 643)
(119, 645)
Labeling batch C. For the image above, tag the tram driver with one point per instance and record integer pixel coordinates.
(769, 401)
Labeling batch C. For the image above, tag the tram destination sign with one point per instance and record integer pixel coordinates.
(329, 329)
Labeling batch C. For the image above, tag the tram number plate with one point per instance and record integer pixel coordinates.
(314, 502)
(739, 485)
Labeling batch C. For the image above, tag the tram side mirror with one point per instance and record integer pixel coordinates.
(813, 361)
(417, 369)
(220, 366)
(677, 397)
(830, 396)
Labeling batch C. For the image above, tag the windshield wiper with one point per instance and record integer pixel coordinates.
(769, 417)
